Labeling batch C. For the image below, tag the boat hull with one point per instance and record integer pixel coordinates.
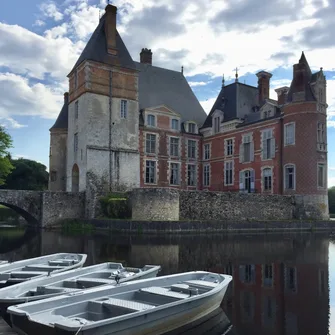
(7, 302)
(153, 323)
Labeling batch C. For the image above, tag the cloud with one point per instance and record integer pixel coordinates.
(10, 123)
(18, 97)
(198, 83)
(50, 10)
(39, 23)
(207, 104)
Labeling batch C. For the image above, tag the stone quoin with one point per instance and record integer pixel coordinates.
(130, 125)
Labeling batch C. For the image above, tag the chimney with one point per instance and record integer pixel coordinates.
(282, 94)
(146, 56)
(263, 85)
(66, 98)
(110, 29)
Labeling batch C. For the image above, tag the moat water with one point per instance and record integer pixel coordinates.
(282, 283)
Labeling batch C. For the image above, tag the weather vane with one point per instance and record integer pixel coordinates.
(236, 75)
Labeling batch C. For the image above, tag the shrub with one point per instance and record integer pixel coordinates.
(116, 205)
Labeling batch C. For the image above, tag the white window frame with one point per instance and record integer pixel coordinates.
(294, 176)
(123, 109)
(321, 136)
(195, 127)
(209, 151)
(155, 172)
(153, 117)
(263, 179)
(229, 163)
(286, 125)
(179, 173)
(227, 146)
(146, 147)
(267, 134)
(188, 148)
(195, 175)
(178, 150)
(206, 166)
(247, 138)
(323, 164)
(178, 124)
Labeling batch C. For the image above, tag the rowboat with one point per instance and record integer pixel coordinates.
(142, 307)
(21, 271)
(3, 262)
(71, 281)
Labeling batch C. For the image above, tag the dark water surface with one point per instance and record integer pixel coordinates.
(282, 283)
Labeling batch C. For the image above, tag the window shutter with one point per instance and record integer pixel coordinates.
(252, 179)
(241, 152)
(241, 181)
(252, 151)
(273, 147)
(264, 149)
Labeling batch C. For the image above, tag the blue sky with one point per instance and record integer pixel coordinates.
(41, 40)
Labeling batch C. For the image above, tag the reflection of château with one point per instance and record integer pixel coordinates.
(280, 283)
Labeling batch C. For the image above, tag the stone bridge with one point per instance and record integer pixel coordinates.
(44, 208)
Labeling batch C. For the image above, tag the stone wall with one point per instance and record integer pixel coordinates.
(155, 204)
(57, 206)
(234, 206)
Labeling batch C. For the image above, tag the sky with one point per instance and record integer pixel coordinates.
(41, 40)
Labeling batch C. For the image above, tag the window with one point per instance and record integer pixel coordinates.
(191, 149)
(291, 278)
(53, 176)
(174, 146)
(289, 133)
(321, 137)
(247, 273)
(150, 172)
(206, 151)
(247, 181)
(150, 144)
(123, 111)
(265, 114)
(268, 144)
(229, 147)
(175, 124)
(267, 179)
(321, 175)
(268, 275)
(76, 109)
(269, 311)
(174, 174)
(151, 120)
(191, 128)
(228, 173)
(217, 124)
(191, 175)
(247, 149)
(206, 175)
(289, 177)
(75, 142)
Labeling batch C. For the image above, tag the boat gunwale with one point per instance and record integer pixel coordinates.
(108, 321)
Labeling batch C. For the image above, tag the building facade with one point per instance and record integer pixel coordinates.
(132, 124)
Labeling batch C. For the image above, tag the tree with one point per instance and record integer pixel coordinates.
(27, 175)
(5, 161)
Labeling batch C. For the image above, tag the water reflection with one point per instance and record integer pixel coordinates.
(280, 285)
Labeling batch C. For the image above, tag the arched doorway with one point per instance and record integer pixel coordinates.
(75, 178)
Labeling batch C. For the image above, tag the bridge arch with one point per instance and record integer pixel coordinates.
(26, 215)
(75, 178)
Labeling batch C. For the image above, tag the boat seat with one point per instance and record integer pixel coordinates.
(164, 291)
(41, 267)
(128, 304)
(52, 289)
(25, 274)
(129, 269)
(94, 280)
(62, 262)
(201, 283)
(183, 288)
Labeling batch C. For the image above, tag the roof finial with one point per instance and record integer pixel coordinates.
(236, 75)
(182, 70)
(223, 81)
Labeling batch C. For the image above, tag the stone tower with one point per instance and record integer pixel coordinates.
(305, 139)
(58, 149)
(103, 120)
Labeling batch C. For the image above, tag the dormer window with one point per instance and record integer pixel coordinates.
(151, 120)
(191, 128)
(175, 124)
(217, 124)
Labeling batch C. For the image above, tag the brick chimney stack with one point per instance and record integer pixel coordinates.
(282, 94)
(110, 29)
(263, 85)
(146, 56)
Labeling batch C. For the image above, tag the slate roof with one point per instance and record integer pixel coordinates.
(62, 119)
(301, 83)
(229, 100)
(158, 86)
(96, 49)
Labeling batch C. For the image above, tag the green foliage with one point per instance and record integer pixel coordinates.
(5, 164)
(331, 199)
(76, 226)
(27, 175)
(116, 205)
